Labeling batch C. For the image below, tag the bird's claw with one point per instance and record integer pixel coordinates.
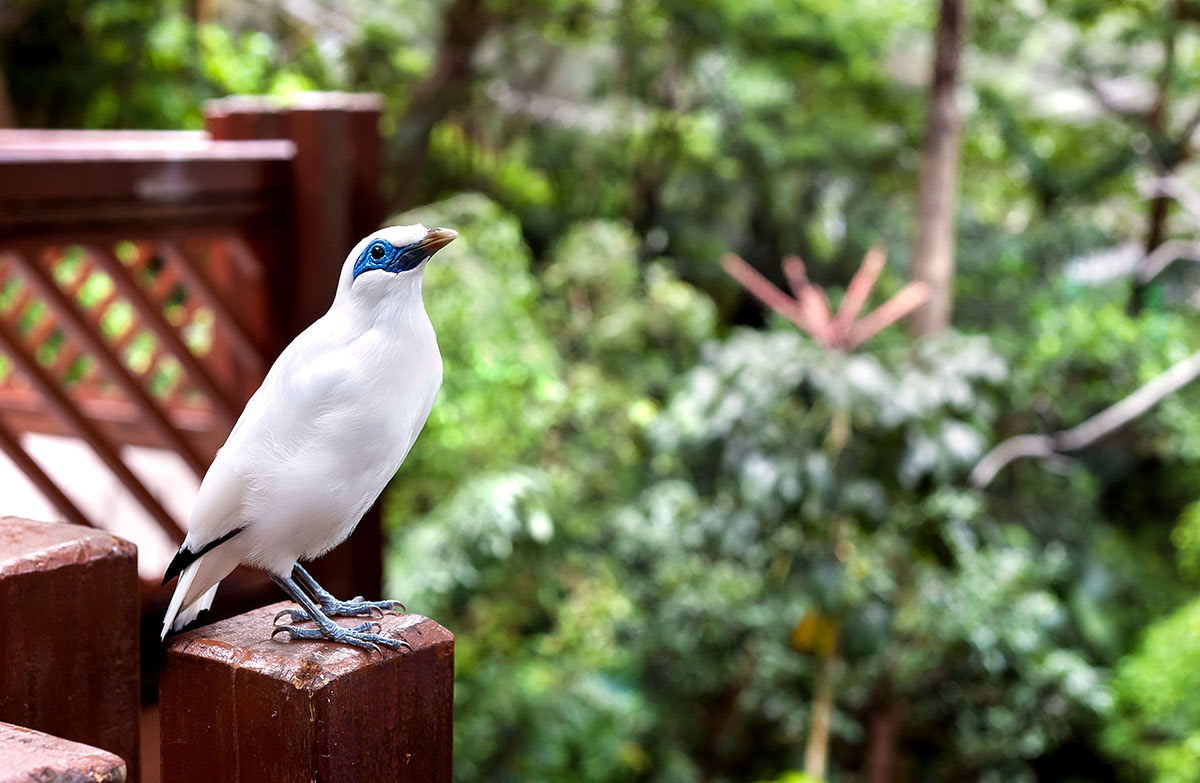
(355, 607)
(359, 636)
(297, 615)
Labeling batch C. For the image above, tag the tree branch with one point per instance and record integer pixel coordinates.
(1175, 188)
(1162, 257)
(1130, 111)
(1102, 424)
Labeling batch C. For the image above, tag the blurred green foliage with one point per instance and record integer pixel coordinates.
(644, 519)
(1156, 725)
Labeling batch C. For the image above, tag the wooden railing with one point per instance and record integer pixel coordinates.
(148, 279)
(236, 705)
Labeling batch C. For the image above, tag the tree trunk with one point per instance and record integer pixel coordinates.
(1156, 234)
(883, 734)
(1157, 125)
(933, 253)
(816, 751)
(466, 22)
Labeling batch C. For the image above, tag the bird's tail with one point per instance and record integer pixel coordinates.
(197, 587)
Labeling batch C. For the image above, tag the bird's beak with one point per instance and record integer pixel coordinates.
(436, 239)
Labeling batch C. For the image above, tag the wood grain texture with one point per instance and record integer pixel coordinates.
(69, 634)
(237, 705)
(28, 756)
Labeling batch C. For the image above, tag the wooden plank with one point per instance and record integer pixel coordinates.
(321, 216)
(27, 756)
(239, 706)
(41, 138)
(245, 117)
(69, 634)
(65, 408)
(165, 180)
(27, 411)
(87, 221)
(57, 146)
(366, 166)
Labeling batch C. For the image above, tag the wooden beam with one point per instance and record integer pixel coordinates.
(69, 634)
(27, 755)
(239, 706)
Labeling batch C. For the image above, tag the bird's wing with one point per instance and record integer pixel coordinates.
(216, 516)
(299, 387)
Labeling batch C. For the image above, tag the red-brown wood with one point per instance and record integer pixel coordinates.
(89, 335)
(152, 316)
(28, 412)
(28, 756)
(65, 409)
(238, 706)
(228, 320)
(69, 634)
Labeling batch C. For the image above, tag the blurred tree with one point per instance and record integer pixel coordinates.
(937, 199)
(1156, 727)
(1112, 52)
(644, 521)
(136, 63)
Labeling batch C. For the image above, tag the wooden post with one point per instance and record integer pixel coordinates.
(69, 634)
(239, 707)
(27, 756)
(336, 197)
(336, 201)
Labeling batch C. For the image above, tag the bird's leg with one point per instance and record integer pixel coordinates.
(355, 607)
(359, 636)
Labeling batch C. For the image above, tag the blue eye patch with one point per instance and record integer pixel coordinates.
(381, 254)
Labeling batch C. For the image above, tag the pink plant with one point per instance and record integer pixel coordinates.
(808, 307)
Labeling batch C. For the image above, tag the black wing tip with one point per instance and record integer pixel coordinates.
(185, 557)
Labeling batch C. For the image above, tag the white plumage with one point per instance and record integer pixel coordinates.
(330, 425)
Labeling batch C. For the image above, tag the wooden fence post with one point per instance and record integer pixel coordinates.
(69, 634)
(27, 755)
(239, 707)
(336, 201)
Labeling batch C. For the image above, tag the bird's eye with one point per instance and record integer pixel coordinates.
(377, 252)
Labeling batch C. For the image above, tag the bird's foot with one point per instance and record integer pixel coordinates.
(355, 607)
(359, 636)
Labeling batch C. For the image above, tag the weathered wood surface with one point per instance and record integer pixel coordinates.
(28, 756)
(69, 634)
(237, 705)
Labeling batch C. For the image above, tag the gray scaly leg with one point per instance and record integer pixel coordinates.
(359, 636)
(355, 607)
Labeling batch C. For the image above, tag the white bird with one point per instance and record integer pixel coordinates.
(319, 440)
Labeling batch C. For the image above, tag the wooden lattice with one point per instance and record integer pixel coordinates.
(130, 341)
(147, 280)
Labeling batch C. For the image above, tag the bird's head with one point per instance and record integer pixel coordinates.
(391, 255)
